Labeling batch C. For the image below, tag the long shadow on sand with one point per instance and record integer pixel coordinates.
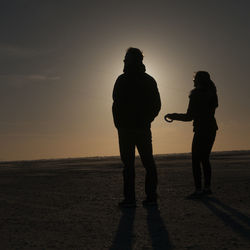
(124, 238)
(157, 230)
(229, 216)
(124, 235)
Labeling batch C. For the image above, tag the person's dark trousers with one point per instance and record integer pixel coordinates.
(142, 139)
(201, 149)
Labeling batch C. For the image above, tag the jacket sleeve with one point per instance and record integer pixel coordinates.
(189, 115)
(156, 102)
(115, 108)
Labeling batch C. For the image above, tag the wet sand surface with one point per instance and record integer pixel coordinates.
(72, 204)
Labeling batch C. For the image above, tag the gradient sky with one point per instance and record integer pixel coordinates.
(59, 61)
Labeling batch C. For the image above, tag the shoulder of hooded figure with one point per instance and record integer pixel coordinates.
(120, 77)
(150, 80)
(149, 77)
(193, 93)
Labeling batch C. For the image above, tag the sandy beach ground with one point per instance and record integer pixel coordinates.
(72, 204)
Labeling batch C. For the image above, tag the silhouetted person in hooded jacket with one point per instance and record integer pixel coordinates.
(136, 102)
(201, 109)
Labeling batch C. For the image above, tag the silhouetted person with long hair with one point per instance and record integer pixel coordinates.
(202, 104)
(136, 104)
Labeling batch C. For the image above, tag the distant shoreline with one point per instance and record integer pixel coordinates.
(186, 155)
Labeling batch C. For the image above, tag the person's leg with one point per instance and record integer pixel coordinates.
(208, 142)
(127, 152)
(196, 161)
(207, 172)
(144, 146)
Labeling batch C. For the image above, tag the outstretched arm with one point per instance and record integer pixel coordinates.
(185, 117)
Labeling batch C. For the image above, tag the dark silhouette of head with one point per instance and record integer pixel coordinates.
(133, 56)
(133, 61)
(202, 80)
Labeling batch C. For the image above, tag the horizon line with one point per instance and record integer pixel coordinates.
(117, 156)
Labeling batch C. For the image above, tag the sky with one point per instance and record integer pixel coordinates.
(59, 60)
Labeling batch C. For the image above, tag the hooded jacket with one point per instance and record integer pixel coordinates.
(136, 99)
